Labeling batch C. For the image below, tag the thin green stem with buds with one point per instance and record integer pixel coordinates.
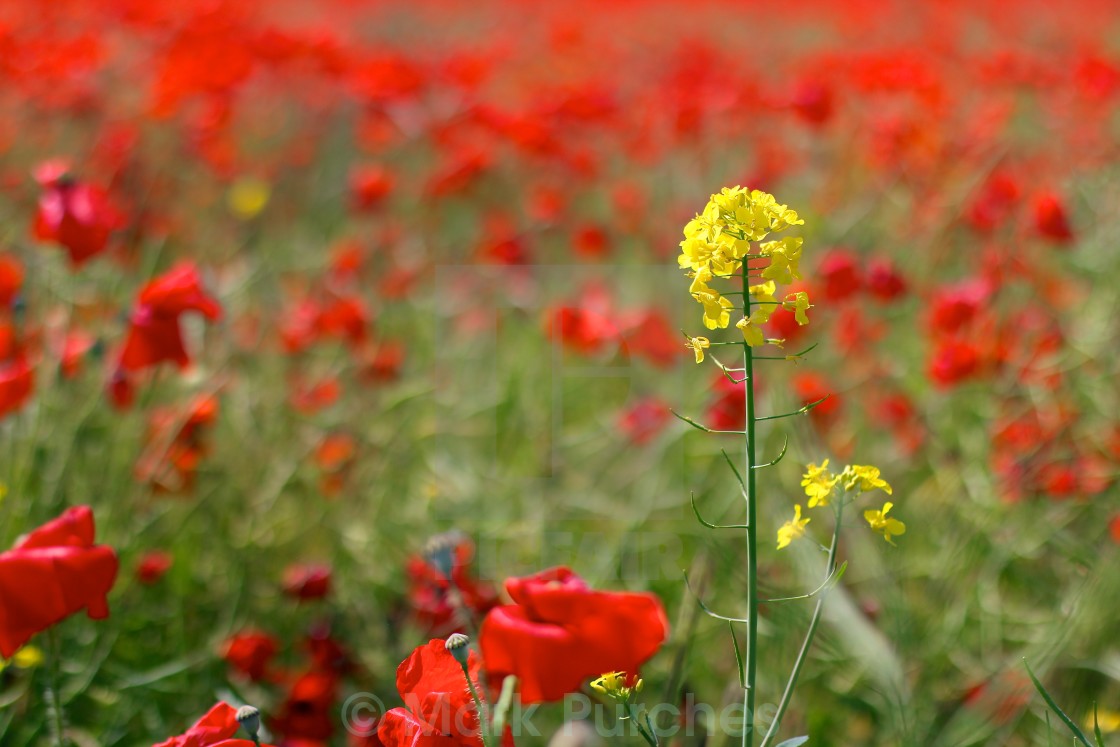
(803, 654)
(751, 664)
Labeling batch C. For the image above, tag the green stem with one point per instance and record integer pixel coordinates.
(650, 738)
(483, 717)
(752, 539)
(54, 702)
(803, 654)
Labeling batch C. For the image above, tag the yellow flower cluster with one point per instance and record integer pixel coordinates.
(819, 483)
(613, 685)
(718, 241)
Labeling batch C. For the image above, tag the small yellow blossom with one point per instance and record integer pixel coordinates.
(880, 523)
(247, 197)
(763, 295)
(752, 335)
(27, 657)
(818, 483)
(799, 305)
(865, 477)
(785, 258)
(1108, 721)
(698, 345)
(717, 309)
(613, 685)
(792, 529)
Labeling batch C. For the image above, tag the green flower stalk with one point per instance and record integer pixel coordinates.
(728, 240)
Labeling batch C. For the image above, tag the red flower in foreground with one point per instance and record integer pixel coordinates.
(154, 335)
(50, 574)
(559, 632)
(440, 710)
(75, 215)
(215, 729)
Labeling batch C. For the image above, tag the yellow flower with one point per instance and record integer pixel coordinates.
(25, 658)
(613, 685)
(752, 335)
(865, 477)
(799, 305)
(818, 483)
(717, 309)
(720, 237)
(697, 345)
(247, 197)
(792, 529)
(763, 294)
(1108, 721)
(880, 523)
(785, 258)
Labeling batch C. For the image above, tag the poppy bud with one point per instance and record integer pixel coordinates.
(459, 647)
(440, 552)
(250, 720)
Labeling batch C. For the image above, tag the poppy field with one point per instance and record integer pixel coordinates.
(434, 374)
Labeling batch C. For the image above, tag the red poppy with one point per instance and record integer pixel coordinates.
(381, 363)
(559, 632)
(648, 333)
(17, 379)
(997, 199)
(582, 330)
(1050, 218)
(325, 652)
(591, 241)
(345, 318)
(884, 282)
(307, 581)
(11, 279)
(50, 574)
(810, 387)
(308, 709)
(73, 348)
(953, 361)
(299, 327)
(442, 588)
(152, 566)
(178, 444)
(77, 216)
(440, 710)
(839, 274)
(369, 186)
(250, 653)
(154, 335)
(644, 420)
(311, 396)
(215, 729)
(728, 410)
(813, 102)
(954, 306)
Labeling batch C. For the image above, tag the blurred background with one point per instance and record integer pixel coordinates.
(437, 246)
